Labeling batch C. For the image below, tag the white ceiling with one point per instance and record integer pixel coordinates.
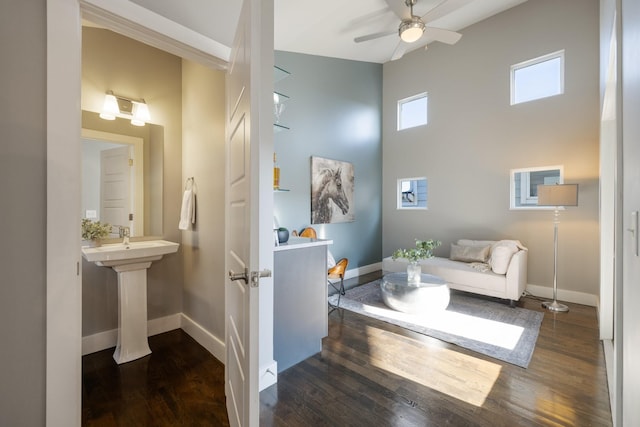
(325, 27)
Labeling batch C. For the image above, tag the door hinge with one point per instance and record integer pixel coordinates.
(130, 162)
(130, 217)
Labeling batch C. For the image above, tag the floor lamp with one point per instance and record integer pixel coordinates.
(557, 195)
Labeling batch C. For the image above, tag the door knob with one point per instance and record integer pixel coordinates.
(240, 276)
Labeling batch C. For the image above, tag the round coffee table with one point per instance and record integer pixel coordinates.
(432, 293)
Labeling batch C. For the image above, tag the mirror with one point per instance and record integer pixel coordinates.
(114, 189)
(524, 185)
(412, 193)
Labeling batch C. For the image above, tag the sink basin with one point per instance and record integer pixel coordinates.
(114, 254)
(131, 262)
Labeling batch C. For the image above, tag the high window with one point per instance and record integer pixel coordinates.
(537, 78)
(412, 111)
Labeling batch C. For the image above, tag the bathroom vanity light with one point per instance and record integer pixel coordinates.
(120, 106)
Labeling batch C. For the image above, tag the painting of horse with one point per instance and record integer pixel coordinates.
(332, 186)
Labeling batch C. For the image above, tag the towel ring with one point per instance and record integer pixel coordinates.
(188, 185)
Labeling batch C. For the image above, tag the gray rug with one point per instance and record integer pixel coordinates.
(489, 327)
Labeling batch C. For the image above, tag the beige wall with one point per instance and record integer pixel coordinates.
(474, 137)
(203, 136)
(135, 70)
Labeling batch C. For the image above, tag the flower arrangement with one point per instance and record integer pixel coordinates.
(94, 230)
(423, 250)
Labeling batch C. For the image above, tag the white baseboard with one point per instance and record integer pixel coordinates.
(203, 337)
(360, 271)
(564, 295)
(268, 375)
(108, 339)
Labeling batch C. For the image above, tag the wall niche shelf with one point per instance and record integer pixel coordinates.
(279, 73)
(280, 190)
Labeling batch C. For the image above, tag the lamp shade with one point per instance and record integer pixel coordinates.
(110, 107)
(558, 195)
(411, 30)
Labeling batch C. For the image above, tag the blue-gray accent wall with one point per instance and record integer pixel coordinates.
(334, 111)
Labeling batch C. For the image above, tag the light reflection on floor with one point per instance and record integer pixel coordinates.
(487, 331)
(470, 382)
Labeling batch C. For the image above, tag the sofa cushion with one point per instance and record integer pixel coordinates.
(501, 254)
(471, 253)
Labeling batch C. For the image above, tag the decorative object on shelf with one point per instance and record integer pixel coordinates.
(93, 231)
(276, 173)
(283, 235)
(279, 105)
(423, 250)
(557, 195)
(332, 187)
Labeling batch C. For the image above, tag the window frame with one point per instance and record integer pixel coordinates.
(407, 100)
(560, 54)
(401, 204)
(531, 201)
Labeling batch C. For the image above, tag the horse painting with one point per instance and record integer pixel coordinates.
(331, 190)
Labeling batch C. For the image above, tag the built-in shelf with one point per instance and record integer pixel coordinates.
(280, 190)
(278, 128)
(279, 73)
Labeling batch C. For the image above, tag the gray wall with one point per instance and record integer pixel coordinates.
(23, 212)
(203, 158)
(474, 137)
(334, 112)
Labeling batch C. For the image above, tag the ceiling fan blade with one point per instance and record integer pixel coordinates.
(400, 8)
(401, 48)
(444, 8)
(374, 36)
(442, 35)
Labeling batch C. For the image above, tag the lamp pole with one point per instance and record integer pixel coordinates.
(555, 305)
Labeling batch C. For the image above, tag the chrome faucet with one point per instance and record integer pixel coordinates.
(125, 232)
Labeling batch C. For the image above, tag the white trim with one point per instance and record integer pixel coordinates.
(213, 344)
(531, 62)
(564, 295)
(63, 390)
(360, 271)
(107, 339)
(268, 375)
(401, 102)
(141, 24)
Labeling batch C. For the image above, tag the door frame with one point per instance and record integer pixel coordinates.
(63, 74)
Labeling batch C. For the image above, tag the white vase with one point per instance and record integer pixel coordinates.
(413, 273)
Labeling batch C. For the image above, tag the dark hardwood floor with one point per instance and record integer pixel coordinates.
(369, 373)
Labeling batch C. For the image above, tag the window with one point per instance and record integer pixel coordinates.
(412, 111)
(524, 185)
(412, 193)
(537, 78)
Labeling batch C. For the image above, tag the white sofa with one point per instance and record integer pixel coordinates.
(486, 267)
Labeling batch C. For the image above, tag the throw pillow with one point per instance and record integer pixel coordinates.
(501, 254)
(469, 253)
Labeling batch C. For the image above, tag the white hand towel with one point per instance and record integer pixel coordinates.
(187, 212)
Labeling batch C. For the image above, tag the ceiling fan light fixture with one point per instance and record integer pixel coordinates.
(411, 30)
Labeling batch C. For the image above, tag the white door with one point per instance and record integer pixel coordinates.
(115, 186)
(631, 209)
(249, 203)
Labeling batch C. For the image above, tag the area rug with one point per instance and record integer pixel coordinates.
(474, 322)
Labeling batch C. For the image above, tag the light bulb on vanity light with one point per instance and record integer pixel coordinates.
(109, 107)
(140, 113)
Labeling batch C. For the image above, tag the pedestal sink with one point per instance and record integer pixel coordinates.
(131, 262)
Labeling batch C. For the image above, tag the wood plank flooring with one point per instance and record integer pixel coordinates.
(369, 373)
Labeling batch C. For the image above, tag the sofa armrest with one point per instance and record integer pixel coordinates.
(516, 278)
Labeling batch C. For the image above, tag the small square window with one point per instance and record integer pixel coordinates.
(537, 78)
(412, 111)
(412, 193)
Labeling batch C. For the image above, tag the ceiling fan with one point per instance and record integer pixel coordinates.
(412, 28)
